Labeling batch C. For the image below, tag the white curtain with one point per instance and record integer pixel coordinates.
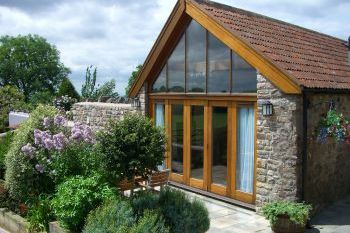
(159, 115)
(245, 149)
(159, 121)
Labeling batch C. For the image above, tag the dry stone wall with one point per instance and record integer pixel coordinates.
(279, 145)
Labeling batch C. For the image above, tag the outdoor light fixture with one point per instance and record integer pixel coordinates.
(267, 108)
(136, 102)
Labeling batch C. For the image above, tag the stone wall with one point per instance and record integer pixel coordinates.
(279, 145)
(328, 165)
(98, 114)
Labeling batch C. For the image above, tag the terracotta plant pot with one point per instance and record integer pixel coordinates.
(285, 225)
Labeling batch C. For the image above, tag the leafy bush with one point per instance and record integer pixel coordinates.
(4, 147)
(10, 99)
(41, 97)
(182, 215)
(40, 214)
(51, 154)
(143, 201)
(22, 180)
(67, 89)
(114, 216)
(151, 222)
(297, 212)
(132, 146)
(76, 197)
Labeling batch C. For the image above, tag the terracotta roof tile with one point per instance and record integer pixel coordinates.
(314, 59)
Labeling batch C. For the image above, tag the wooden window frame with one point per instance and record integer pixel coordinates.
(232, 104)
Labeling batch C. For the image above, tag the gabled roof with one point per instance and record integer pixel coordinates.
(290, 56)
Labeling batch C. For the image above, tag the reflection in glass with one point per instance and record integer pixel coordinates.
(219, 145)
(197, 141)
(244, 76)
(177, 138)
(245, 149)
(218, 65)
(160, 84)
(176, 68)
(195, 52)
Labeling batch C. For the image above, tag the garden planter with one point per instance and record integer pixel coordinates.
(285, 225)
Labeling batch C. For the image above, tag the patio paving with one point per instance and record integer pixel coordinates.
(334, 219)
(227, 218)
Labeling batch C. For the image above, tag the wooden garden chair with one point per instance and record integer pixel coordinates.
(156, 179)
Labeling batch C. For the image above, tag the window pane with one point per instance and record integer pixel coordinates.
(159, 115)
(177, 139)
(196, 64)
(176, 68)
(245, 149)
(244, 76)
(219, 66)
(197, 141)
(160, 84)
(219, 145)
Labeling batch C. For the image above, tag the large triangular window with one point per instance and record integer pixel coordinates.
(201, 63)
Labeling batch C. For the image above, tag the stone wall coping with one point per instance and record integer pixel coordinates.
(106, 105)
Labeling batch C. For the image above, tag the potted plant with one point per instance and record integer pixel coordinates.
(287, 217)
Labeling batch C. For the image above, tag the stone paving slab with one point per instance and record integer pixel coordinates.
(227, 218)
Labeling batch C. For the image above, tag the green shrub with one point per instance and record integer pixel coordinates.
(40, 214)
(6, 201)
(114, 216)
(76, 197)
(42, 97)
(132, 146)
(182, 215)
(4, 147)
(151, 222)
(143, 201)
(297, 212)
(22, 180)
(67, 89)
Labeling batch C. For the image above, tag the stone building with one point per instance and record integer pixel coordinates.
(211, 79)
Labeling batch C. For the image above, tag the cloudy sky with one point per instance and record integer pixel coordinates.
(116, 35)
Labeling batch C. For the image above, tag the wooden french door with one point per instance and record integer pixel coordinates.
(207, 141)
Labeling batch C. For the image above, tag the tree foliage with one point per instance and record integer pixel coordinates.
(31, 64)
(89, 89)
(67, 89)
(132, 146)
(132, 78)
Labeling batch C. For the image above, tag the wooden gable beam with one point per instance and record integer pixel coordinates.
(266, 67)
(164, 44)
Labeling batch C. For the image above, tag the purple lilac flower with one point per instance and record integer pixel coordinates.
(47, 122)
(46, 140)
(87, 134)
(59, 141)
(37, 137)
(39, 168)
(28, 150)
(59, 120)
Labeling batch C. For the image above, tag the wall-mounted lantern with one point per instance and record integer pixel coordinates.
(267, 108)
(136, 102)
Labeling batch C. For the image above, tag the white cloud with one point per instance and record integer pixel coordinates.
(116, 35)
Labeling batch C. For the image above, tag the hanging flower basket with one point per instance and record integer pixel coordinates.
(333, 125)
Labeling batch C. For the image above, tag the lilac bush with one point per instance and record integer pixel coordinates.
(55, 146)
